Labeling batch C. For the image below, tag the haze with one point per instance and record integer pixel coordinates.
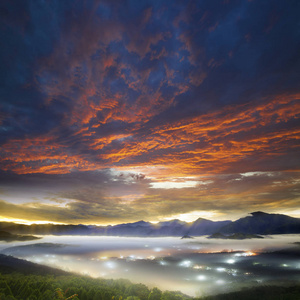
(196, 267)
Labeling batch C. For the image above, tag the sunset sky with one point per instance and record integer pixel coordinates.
(118, 111)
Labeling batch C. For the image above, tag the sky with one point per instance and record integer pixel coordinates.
(120, 111)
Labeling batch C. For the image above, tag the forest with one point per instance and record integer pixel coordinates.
(21, 279)
(48, 287)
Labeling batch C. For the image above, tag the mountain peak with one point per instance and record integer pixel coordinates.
(141, 222)
(258, 213)
(200, 220)
(172, 222)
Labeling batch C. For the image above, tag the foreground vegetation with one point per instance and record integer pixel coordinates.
(20, 279)
(46, 287)
(49, 287)
(260, 293)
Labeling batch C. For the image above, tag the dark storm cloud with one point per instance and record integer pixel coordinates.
(28, 33)
(238, 51)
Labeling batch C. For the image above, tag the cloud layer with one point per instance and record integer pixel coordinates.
(171, 91)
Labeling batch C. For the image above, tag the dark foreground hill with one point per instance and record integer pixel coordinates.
(260, 293)
(9, 264)
(20, 279)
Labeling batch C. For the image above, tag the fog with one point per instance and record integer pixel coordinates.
(198, 266)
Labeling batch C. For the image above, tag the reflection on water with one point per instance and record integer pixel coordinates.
(194, 266)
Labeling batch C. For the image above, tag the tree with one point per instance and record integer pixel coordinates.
(97, 296)
(60, 295)
(170, 296)
(155, 294)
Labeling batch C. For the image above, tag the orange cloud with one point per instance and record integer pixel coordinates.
(207, 144)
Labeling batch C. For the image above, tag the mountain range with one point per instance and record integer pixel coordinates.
(256, 223)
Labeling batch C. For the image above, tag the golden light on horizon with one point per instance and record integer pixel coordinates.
(27, 222)
(194, 215)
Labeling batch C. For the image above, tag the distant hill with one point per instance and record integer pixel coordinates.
(235, 236)
(263, 223)
(9, 237)
(257, 223)
(204, 227)
(9, 264)
(140, 228)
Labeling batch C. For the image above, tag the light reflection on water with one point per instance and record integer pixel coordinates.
(193, 266)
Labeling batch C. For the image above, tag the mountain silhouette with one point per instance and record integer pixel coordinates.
(263, 223)
(257, 223)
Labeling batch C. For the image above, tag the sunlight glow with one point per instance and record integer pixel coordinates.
(194, 215)
(26, 222)
(173, 184)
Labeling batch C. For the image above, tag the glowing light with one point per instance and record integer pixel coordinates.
(163, 263)
(151, 257)
(201, 277)
(284, 265)
(103, 257)
(27, 222)
(194, 215)
(230, 261)
(248, 253)
(157, 249)
(197, 267)
(110, 265)
(185, 263)
(221, 269)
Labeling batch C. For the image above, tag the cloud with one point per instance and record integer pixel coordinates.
(168, 88)
(243, 138)
(114, 197)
